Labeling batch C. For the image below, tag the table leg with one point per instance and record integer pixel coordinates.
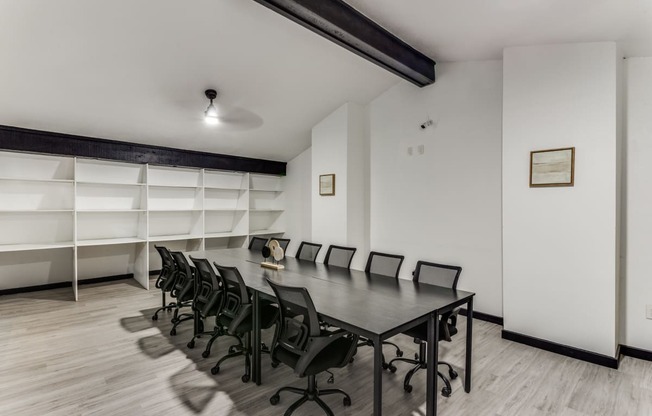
(255, 315)
(432, 360)
(378, 377)
(469, 346)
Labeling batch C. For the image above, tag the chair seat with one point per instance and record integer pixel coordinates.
(268, 316)
(421, 331)
(330, 357)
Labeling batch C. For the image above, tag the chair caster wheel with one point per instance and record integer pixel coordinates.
(246, 378)
(407, 388)
(274, 399)
(392, 368)
(351, 360)
(453, 374)
(274, 364)
(446, 392)
(191, 344)
(154, 317)
(205, 354)
(346, 401)
(173, 332)
(399, 353)
(385, 366)
(215, 370)
(174, 320)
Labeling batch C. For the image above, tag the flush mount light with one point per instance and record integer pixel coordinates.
(210, 115)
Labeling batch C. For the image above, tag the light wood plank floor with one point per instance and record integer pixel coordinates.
(104, 356)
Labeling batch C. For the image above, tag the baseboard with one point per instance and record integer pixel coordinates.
(60, 285)
(484, 317)
(636, 353)
(105, 279)
(565, 350)
(153, 272)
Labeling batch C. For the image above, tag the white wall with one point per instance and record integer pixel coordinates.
(559, 244)
(444, 205)
(637, 283)
(298, 202)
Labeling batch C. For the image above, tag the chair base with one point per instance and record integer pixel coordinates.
(420, 363)
(237, 350)
(312, 393)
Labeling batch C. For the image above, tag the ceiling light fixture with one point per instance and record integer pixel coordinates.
(210, 115)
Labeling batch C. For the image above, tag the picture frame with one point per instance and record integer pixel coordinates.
(327, 184)
(552, 167)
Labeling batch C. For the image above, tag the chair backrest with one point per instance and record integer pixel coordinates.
(384, 264)
(283, 242)
(308, 251)
(168, 274)
(339, 256)
(299, 319)
(208, 287)
(257, 243)
(437, 274)
(184, 289)
(237, 294)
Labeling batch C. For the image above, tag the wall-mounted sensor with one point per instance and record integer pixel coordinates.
(428, 123)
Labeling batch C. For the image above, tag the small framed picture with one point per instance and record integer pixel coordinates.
(554, 167)
(327, 184)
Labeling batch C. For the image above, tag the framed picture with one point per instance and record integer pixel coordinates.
(327, 184)
(554, 167)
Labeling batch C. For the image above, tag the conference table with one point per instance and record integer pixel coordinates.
(374, 306)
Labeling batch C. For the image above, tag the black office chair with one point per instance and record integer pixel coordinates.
(283, 242)
(183, 291)
(166, 280)
(305, 347)
(257, 243)
(208, 301)
(438, 275)
(308, 251)
(339, 256)
(386, 265)
(235, 317)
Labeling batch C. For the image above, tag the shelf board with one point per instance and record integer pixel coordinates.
(110, 183)
(35, 246)
(225, 210)
(110, 210)
(221, 188)
(265, 232)
(34, 211)
(175, 210)
(110, 241)
(174, 237)
(174, 186)
(266, 210)
(38, 180)
(224, 235)
(266, 190)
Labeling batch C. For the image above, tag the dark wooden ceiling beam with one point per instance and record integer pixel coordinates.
(342, 24)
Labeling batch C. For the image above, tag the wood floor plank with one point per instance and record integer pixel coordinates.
(105, 356)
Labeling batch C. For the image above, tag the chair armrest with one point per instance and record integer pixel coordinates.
(316, 345)
(243, 313)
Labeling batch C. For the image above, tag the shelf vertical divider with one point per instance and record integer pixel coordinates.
(141, 261)
(202, 242)
(75, 288)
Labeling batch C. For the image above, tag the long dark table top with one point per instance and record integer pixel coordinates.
(366, 303)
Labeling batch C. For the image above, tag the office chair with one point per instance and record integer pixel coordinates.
(257, 243)
(308, 251)
(235, 317)
(208, 301)
(166, 279)
(386, 265)
(339, 256)
(183, 291)
(438, 275)
(305, 347)
(283, 242)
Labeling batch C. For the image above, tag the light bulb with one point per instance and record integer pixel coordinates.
(210, 115)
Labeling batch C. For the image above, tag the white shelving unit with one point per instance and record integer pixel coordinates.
(70, 219)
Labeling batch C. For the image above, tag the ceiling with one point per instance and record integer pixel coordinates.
(136, 70)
